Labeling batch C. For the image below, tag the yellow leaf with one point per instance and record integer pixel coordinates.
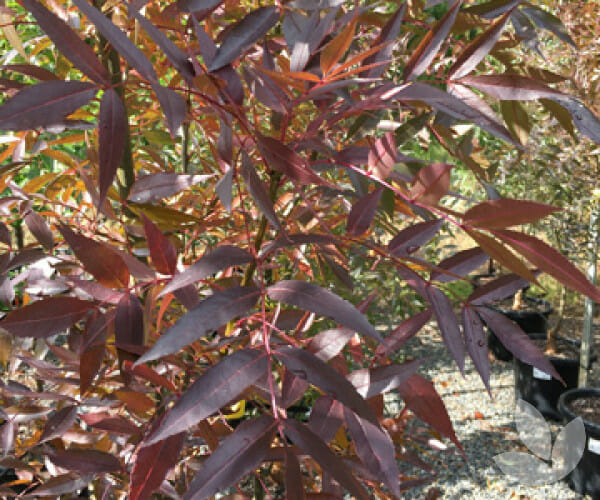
(35, 184)
(335, 49)
(11, 35)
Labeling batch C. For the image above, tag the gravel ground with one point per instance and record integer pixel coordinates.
(483, 425)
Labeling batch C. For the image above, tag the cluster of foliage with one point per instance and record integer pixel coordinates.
(208, 173)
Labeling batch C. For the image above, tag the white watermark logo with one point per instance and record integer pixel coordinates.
(549, 463)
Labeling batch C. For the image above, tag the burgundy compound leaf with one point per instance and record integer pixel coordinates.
(212, 262)
(479, 48)
(112, 133)
(550, 261)
(404, 332)
(372, 382)
(327, 459)
(499, 289)
(118, 39)
(294, 490)
(448, 323)
(324, 303)
(328, 344)
(375, 449)
(498, 214)
(283, 159)
(60, 485)
(219, 385)
(59, 423)
(38, 227)
(243, 34)
(388, 34)
(68, 43)
(427, 49)
(154, 187)
(383, 156)
(461, 264)
(423, 400)
(236, 456)
(308, 367)
(516, 341)
(44, 104)
(210, 314)
(173, 105)
(259, 193)
(412, 238)
(129, 322)
(46, 317)
(114, 424)
(476, 343)
(162, 251)
(362, 213)
(85, 461)
(431, 183)
(151, 465)
(101, 261)
(512, 87)
(326, 417)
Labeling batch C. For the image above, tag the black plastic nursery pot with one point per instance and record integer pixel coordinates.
(585, 479)
(539, 388)
(531, 322)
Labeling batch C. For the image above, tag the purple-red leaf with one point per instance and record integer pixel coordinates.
(112, 133)
(210, 314)
(151, 465)
(362, 213)
(264, 88)
(85, 461)
(101, 261)
(60, 485)
(404, 332)
(236, 456)
(59, 423)
(219, 385)
(431, 183)
(68, 43)
(498, 214)
(329, 343)
(38, 227)
(500, 288)
(388, 35)
(412, 238)
(479, 48)
(173, 106)
(329, 461)
(243, 34)
(162, 251)
(455, 107)
(423, 400)
(178, 58)
(516, 341)
(114, 424)
(292, 388)
(155, 187)
(326, 417)
(220, 258)
(550, 261)
(448, 323)
(129, 322)
(118, 40)
(511, 87)
(430, 44)
(461, 264)
(293, 477)
(308, 367)
(383, 155)
(476, 343)
(283, 159)
(375, 449)
(259, 193)
(374, 381)
(313, 298)
(46, 317)
(44, 104)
